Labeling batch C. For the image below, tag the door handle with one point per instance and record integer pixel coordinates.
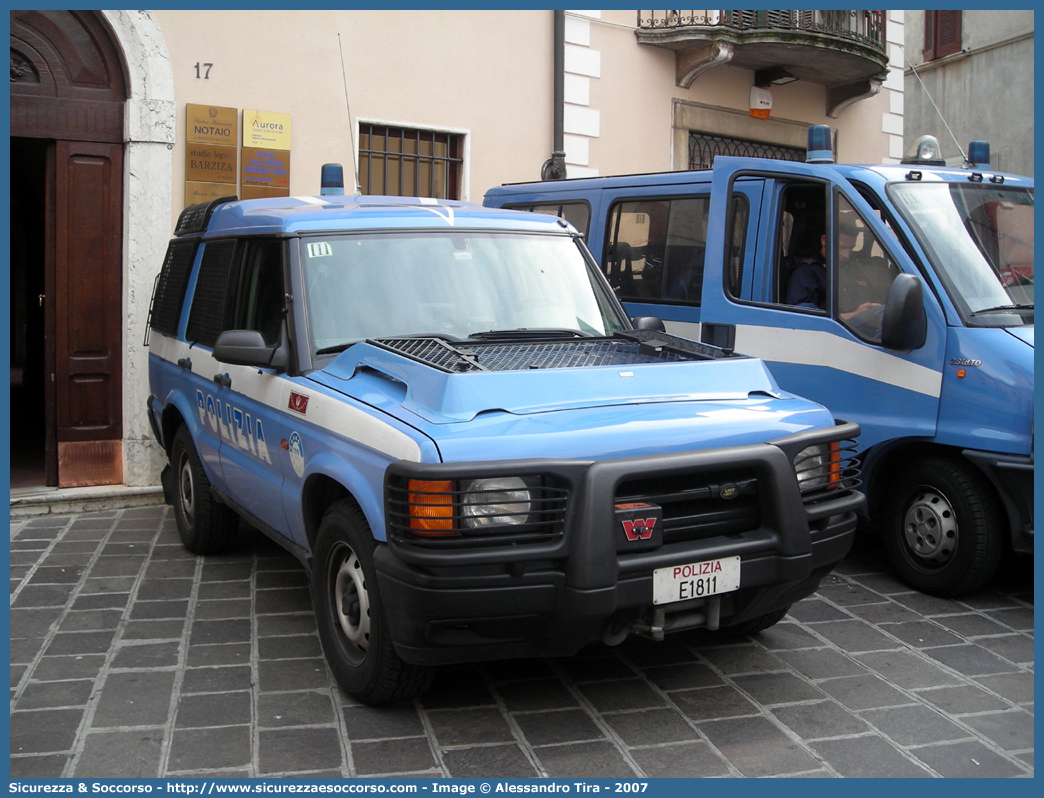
(185, 363)
(223, 379)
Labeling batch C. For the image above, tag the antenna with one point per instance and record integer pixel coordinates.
(936, 107)
(351, 129)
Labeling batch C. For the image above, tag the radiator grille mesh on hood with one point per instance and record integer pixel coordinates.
(624, 349)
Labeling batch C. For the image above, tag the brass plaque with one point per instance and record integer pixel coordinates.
(206, 192)
(209, 163)
(261, 192)
(266, 130)
(210, 124)
(266, 168)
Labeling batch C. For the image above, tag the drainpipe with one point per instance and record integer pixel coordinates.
(554, 168)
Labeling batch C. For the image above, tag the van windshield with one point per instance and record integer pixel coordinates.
(980, 240)
(450, 284)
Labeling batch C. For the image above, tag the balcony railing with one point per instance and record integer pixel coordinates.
(864, 27)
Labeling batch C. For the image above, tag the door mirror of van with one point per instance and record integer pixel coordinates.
(648, 323)
(249, 348)
(904, 325)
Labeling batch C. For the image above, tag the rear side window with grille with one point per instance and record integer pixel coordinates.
(169, 295)
(207, 318)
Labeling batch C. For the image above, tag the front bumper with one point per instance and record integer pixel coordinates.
(550, 596)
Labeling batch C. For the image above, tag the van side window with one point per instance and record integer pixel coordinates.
(259, 298)
(801, 276)
(577, 214)
(655, 249)
(865, 273)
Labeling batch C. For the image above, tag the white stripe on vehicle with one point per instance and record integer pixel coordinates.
(816, 348)
(273, 390)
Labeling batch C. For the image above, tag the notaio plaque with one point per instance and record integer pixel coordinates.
(211, 124)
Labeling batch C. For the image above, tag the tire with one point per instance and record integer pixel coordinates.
(755, 625)
(205, 525)
(945, 533)
(350, 616)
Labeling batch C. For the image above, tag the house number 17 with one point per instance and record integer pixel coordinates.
(203, 73)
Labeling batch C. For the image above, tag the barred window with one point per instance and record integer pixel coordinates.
(703, 148)
(402, 162)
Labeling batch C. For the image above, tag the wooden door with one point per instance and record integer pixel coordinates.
(87, 312)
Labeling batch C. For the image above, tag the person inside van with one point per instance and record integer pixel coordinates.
(864, 281)
(860, 288)
(808, 282)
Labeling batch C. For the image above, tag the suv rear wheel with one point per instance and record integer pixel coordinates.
(205, 525)
(350, 616)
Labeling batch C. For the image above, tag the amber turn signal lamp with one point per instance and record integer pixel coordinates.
(835, 463)
(431, 508)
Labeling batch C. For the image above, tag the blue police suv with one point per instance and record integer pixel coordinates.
(446, 414)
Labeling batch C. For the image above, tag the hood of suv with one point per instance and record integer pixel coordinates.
(447, 384)
(576, 412)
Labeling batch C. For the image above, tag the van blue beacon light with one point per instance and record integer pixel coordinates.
(979, 153)
(819, 145)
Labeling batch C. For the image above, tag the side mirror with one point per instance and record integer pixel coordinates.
(904, 326)
(648, 323)
(248, 348)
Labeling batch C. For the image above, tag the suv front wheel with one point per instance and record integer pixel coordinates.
(348, 610)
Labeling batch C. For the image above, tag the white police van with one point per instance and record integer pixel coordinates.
(901, 297)
(446, 414)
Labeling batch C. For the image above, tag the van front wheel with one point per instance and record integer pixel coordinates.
(945, 531)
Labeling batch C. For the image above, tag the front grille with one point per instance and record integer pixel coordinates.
(822, 481)
(540, 522)
(628, 349)
(695, 506)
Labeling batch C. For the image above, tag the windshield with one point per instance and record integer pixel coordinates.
(980, 239)
(452, 284)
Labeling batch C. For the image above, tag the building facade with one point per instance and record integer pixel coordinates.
(104, 160)
(973, 69)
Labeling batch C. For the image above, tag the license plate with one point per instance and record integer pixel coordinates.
(695, 580)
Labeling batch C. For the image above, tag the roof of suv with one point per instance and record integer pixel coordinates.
(355, 213)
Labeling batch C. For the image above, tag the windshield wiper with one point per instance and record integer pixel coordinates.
(329, 350)
(1003, 309)
(526, 334)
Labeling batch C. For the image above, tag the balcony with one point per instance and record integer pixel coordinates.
(844, 51)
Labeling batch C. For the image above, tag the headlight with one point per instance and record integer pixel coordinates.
(498, 501)
(818, 466)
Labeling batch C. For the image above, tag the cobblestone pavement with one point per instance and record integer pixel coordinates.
(132, 658)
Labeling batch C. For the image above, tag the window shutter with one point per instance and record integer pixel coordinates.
(929, 35)
(942, 34)
(948, 33)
